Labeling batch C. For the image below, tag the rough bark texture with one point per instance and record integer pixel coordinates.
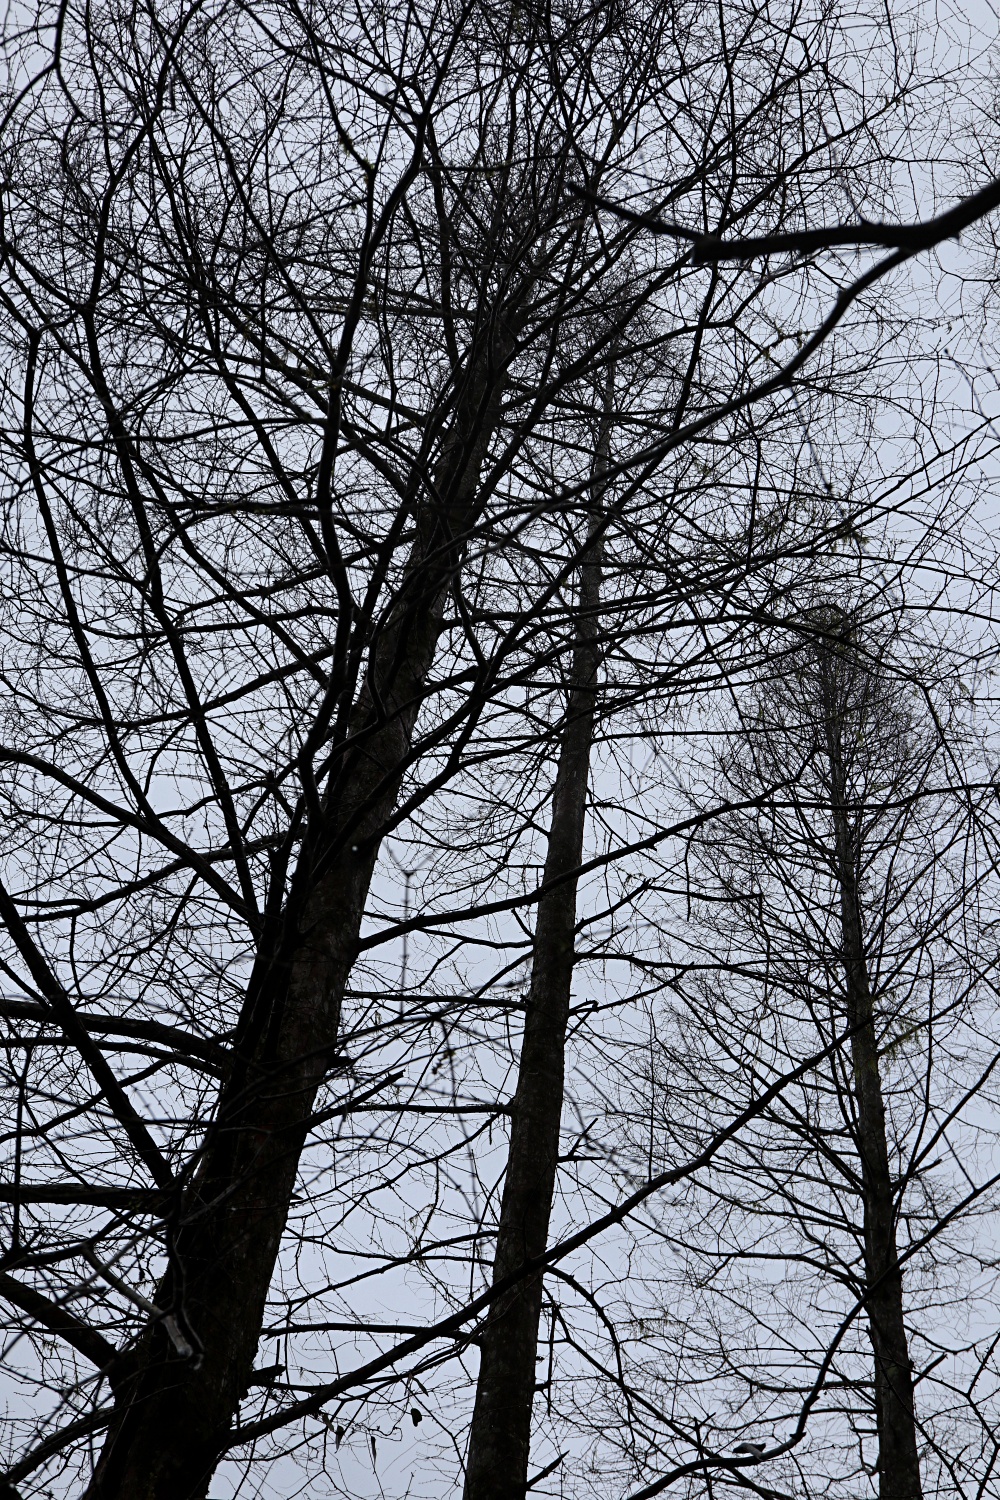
(173, 1419)
(895, 1413)
(499, 1441)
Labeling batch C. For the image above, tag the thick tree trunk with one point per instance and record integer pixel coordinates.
(173, 1417)
(895, 1413)
(499, 1441)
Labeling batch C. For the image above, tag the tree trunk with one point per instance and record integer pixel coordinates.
(499, 1441)
(173, 1417)
(895, 1414)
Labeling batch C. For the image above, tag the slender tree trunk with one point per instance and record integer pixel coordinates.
(499, 1442)
(172, 1418)
(895, 1414)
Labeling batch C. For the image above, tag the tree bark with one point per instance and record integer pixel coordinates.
(176, 1411)
(895, 1413)
(499, 1440)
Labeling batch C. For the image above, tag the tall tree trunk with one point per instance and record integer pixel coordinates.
(895, 1414)
(173, 1416)
(499, 1442)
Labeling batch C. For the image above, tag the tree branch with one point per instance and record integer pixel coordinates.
(710, 249)
(450, 1325)
(146, 1031)
(58, 1320)
(64, 1012)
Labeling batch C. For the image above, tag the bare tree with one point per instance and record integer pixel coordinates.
(499, 1441)
(850, 906)
(299, 307)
